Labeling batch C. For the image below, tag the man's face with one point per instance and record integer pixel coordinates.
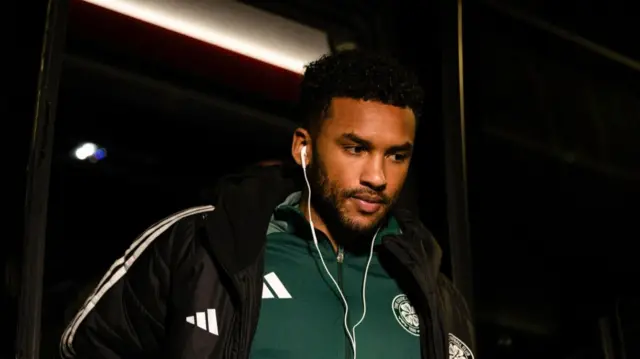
(360, 159)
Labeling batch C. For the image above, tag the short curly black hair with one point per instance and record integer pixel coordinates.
(358, 75)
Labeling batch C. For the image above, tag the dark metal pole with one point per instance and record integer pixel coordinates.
(606, 339)
(455, 146)
(38, 173)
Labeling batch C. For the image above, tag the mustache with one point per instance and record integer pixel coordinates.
(367, 195)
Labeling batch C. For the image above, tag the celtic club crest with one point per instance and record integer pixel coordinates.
(458, 349)
(405, 314)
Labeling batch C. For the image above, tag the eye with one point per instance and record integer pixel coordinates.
(354, 150)
(399, 157)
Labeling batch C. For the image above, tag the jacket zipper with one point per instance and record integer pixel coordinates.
(240, 321)
(340, 260)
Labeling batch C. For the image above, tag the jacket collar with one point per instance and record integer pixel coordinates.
(237, 228)
(244, 207)
(418, 239)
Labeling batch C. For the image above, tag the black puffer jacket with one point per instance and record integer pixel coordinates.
(207, 265)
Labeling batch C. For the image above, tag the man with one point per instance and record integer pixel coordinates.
(251, 279)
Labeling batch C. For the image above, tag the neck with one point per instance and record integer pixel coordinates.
(318, 222)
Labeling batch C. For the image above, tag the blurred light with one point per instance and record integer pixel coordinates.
(100, 154)
(90, 151)
(85, 151)
(233, 26)
(346, 46)
(505, 341)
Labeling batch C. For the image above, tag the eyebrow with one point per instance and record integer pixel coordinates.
(405, 147)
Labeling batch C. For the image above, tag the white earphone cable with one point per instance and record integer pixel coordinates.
(351, 334)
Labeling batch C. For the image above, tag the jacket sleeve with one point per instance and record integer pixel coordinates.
(458, 319)
(124, 316)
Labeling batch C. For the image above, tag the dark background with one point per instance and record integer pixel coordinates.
(552, 131)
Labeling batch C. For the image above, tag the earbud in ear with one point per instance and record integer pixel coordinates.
(303, 155)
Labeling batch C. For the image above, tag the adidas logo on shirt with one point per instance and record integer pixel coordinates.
(272, 287)
(205, 321)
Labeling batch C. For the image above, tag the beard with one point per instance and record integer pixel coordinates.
(329, 201)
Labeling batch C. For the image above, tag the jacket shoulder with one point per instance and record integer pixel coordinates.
(180, 244)
(126, 311)
(457, 317)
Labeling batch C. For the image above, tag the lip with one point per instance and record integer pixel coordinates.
(367, 206)
(368, 198)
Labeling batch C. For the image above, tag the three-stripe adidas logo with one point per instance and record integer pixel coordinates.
(277, 290)
(205, 321)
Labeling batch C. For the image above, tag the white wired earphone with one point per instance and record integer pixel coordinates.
(351, 333)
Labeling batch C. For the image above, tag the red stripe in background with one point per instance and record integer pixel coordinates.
(188, 55)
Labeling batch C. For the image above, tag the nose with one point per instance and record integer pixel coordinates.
(373, 174)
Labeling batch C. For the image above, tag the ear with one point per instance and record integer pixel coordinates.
(301, 138)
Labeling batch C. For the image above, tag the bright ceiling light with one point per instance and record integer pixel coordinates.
(231, 25)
